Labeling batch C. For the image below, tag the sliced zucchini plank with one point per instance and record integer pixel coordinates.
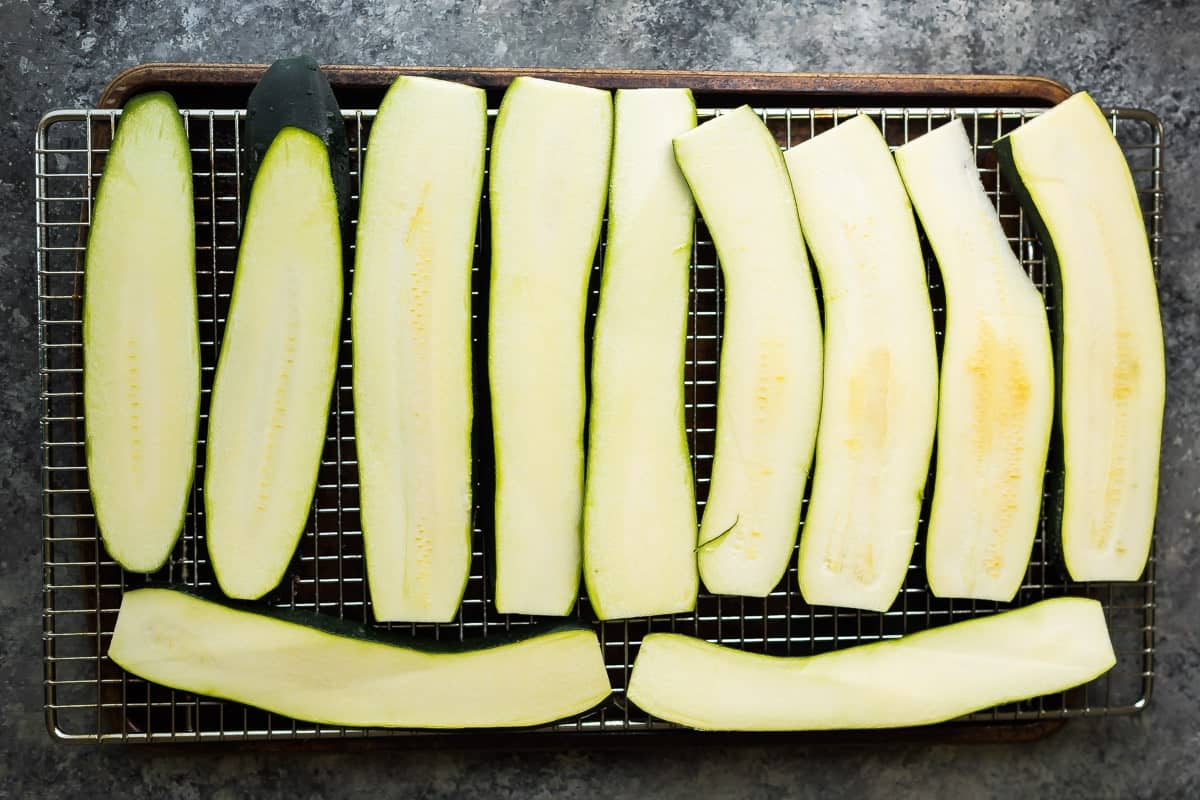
(927, 677)
(1072, 177)
(880, 398)
(639, 518)
(770, 381)
(411, 317)
(996, 397)
(337, 673)
(141, 340)
(275, 374)
(547, 187)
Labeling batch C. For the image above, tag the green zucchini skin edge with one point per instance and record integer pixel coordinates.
(1052, 501)
(293, 92)
(333, 626)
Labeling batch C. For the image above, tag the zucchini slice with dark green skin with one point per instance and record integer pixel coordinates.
(331, 671)
(141, 340)
(294, 93)
(278, 359)
(1070, 175)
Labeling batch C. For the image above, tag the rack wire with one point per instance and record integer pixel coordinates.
(89, 698)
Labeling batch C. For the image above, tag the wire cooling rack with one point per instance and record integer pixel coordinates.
(87, 697)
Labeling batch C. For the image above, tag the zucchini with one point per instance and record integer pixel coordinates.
(770, 380)
(411, 317)
(639, 514)
(547, 187)
(141, 337)
(278, 359)
(880, 397)
(926, 677)
(1071, 177)
(337, 673)
(996, 398)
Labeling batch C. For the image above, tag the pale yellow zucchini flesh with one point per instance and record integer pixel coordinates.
(996, 396)
(926, 677)
(275, 374)
(547, 184)
(639, 518)
(326, 670)
(1070, 173)
(411, 318)
(879, 406)
(769, 392)
(141, 341)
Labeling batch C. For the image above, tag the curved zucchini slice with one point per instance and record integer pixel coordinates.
(141, 341)
(411, 317)
(996, 398)
(271, 393)
(770, 382)
(639, 514)
(1071, 176)
(927, 677)
(337, 673)
(880, 399)
(547, 186)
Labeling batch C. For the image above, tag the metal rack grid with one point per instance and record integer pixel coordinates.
(89, 698)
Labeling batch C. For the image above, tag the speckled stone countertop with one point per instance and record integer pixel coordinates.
(60, 54)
